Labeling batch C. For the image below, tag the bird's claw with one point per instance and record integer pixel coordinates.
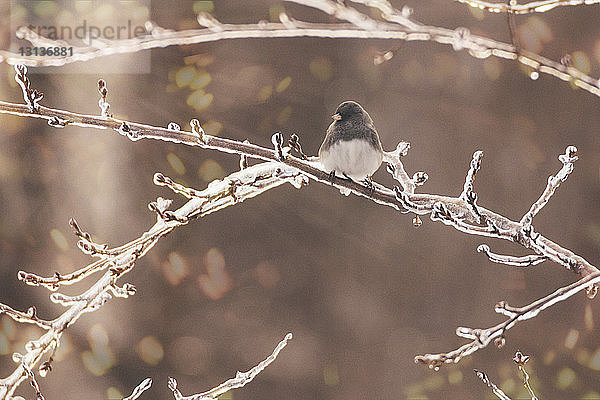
(331, 177)
(369, 184)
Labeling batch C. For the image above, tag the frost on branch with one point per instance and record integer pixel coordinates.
(117, 261)
(139, 389)
(240, 380)
(524, 261)
(31, 96)
(567, 159)
(528, 8)
(393, 25)
(481, 338)
(495, 389)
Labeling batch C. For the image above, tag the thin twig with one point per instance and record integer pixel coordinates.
(524, 261)
(483, 337)
(359, 26)
(139, 389)
(248, 183)
(567, 159)
(240, 380)
(520, 359)
(532, 7)
(495, 389)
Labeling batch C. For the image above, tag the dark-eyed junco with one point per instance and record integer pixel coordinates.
(351, 147)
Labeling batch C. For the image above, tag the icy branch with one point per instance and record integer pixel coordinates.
(532, 7)
(396, 168)
(240, 380)
(139, 389)
(524, 261)
(31, 96)
(117, 261)
(473, 169)
(567, 159)
(281, 167)
(468, 194)
(30, 317)
(495, 389)
(396, 25)
(520, 359)
(481, 338)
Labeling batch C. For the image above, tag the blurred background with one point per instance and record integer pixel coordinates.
(362, 290)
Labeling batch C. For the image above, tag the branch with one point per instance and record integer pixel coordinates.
(240, 380)
(397, 25)
(524, 261)
(495, 389)
(532, 7)
(282, 167)
(139, 389)
(232, 190)
(567, 159)
(483, 337)
(520, 359)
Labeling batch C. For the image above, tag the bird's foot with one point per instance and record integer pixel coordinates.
(370, 185)
(331, 177)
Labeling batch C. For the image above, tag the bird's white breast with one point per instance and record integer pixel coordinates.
(355, 158)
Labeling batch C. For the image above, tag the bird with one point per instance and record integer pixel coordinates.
(351, 147)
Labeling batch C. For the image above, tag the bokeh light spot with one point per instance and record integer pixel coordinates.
(185, 76)
(321, 68)
(199, 100)
(565, 378)
(59, 239)
(210, 170)
(176, 163)
(283, 84)
(175, 269)
(284, 115)
(150, 350)
(264, 93)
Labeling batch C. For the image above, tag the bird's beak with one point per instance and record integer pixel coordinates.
(336, 117)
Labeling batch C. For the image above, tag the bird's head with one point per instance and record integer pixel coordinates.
(348, 110)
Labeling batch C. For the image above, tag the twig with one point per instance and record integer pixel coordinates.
(359, 26)
(139, 389)
(118, 261)
(495, 389)
(520, 359)
(31, 96)
(240, 380)
(524, 261)
(483, 337)
(280, 168)
(532, 7)
(567, 159)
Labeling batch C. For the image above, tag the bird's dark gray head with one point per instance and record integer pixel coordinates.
(348, 110)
